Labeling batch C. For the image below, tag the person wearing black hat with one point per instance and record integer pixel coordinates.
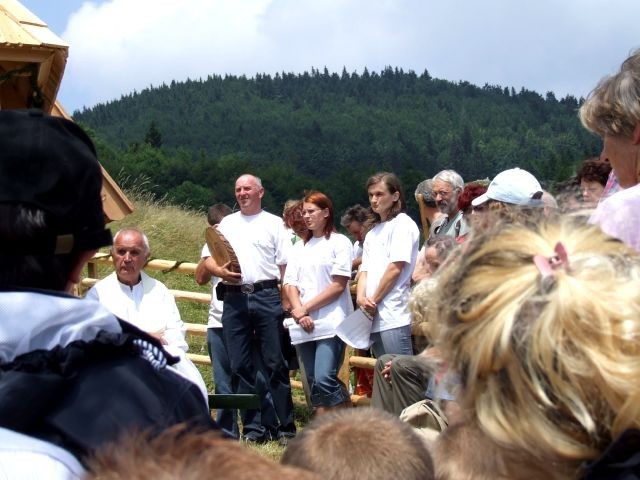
(72, 375)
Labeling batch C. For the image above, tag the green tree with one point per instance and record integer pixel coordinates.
(153, 136)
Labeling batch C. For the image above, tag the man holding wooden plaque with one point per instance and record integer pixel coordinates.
(253, 308)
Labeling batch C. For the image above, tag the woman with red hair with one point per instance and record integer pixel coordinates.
(315, 283)
(471, 190)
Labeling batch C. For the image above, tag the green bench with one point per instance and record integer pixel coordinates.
(241, 401)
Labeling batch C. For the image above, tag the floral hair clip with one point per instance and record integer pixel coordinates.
(548, 265)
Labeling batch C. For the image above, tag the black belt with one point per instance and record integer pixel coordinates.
(250, 287)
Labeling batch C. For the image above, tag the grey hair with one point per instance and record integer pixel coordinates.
(452, 177)
(257, 179)
(145, 240)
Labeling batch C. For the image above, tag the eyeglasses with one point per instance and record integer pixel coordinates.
(311, 211)
(442, 193)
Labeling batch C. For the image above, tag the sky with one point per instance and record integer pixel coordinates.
(118, 46)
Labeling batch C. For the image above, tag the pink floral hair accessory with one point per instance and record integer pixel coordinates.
(548, 265)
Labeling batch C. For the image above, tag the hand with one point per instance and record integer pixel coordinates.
(158, 336)
(386, 371)
(229, 276)
(299, 312)
(306, 323)
(368, 305)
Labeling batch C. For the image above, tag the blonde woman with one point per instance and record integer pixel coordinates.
(612, 111)
(542, 326)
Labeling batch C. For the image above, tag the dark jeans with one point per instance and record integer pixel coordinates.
(244, 316)
(227, 419)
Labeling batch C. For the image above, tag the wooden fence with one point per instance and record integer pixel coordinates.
(185, 268)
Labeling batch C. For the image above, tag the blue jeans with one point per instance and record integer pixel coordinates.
(256, 315)
(396, 340)
(322, 360)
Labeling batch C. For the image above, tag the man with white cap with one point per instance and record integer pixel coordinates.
(514, 186)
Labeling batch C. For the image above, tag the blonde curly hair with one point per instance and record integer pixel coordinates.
(613, 107)
(549, 368)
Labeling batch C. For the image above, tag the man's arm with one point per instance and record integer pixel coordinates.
(222, 272)
(203, 274)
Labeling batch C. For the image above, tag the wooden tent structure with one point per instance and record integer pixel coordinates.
(32, 63)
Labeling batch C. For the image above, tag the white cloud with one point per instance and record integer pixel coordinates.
(121, 45)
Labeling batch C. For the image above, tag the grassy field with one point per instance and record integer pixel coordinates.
(177, 233)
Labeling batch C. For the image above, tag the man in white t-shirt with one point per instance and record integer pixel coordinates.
(253, 308)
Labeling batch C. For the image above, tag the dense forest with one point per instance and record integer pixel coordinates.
(328, 131)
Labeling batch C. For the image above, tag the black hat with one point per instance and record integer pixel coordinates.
(51, 164)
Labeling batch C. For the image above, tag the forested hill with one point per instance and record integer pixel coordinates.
(329, 131)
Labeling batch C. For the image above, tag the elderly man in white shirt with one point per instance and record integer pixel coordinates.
(132, 295)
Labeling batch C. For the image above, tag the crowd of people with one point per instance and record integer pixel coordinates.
(530, 304)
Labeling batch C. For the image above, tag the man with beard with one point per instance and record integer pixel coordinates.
(447, 185)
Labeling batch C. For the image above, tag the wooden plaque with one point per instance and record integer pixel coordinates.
(221, 250)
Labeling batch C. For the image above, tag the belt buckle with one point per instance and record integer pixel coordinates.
(247, 288)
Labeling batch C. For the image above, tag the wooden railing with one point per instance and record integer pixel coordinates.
(185, 268)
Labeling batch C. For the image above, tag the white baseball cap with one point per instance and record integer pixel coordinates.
(515, 186)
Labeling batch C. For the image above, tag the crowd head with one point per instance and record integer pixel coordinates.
(362, 444)
(50, 219)
(542, 326)
(592, 178)
(317, 212)
(469, 193)
(386, 196)
(612, 110)
(184, 452)
(354, 220)
(217, 212)
(425, 190)
(513, 196)
(447, 185)
(292, 217)
(130, 253)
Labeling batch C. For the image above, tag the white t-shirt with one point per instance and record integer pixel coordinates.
(619, 216)
(357, 249)
(261, 244)
(393, 241)
(310, 269)
(215, 308)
